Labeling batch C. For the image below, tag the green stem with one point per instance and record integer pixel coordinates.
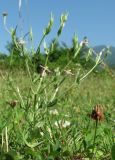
(38, 49)
(96, 124)
(89, 72)
(35, 101)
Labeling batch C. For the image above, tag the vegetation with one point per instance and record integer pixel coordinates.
(52, 107)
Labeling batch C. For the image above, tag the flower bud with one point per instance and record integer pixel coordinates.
(4, 14)
(49, 26)
(63, 19)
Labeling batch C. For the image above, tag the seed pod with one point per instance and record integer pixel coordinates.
(4, 14)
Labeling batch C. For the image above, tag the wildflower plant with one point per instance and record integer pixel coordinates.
(33, 126)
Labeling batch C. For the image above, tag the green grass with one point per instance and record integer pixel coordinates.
(38, 128)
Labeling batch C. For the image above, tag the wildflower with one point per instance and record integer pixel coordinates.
(50, 132)
(44, 71)
(66, 124)
(68, 72)
(42, 134)
(84, 42)
(21, 41)
(97, 113)
(13, 103)
(57, 123)
(63, 124)
(54, 112)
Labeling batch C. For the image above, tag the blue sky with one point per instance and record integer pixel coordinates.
(91, 18)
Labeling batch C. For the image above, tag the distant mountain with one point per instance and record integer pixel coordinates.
(110, 59)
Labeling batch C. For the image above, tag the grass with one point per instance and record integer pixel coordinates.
(57, 129)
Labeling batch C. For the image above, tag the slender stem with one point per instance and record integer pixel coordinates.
(30, 75)
(2, 139)
(35, 101)
(96, 124)
(6, 136)
(88, 72)
(38, 49)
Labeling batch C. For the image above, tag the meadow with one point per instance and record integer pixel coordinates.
(56, 109)
(56, 125)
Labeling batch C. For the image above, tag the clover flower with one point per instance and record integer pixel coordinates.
(13, 103)
(97, 113)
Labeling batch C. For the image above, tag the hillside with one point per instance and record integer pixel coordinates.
(110, 60)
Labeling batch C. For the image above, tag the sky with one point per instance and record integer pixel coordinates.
(91, 18)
